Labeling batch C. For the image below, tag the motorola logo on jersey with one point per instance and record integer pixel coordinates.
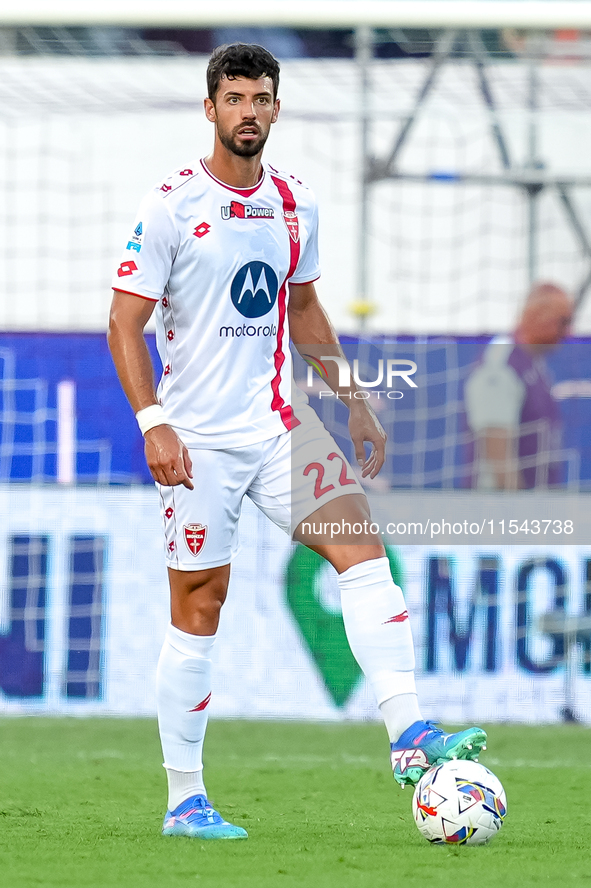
(254, 289)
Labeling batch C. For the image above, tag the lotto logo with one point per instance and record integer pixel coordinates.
(169, 512)
(126, 268)
(166, 188)
(397, 618)
(202, 229)
(186, 173)
(201, 706)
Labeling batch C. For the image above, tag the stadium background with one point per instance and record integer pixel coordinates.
(443, 249)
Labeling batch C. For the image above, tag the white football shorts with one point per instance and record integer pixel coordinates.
(288, 477)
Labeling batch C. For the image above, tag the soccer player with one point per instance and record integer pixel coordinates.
(225, 252)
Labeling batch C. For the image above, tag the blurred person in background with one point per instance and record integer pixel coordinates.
(509, 404)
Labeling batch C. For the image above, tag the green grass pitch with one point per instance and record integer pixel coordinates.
(82, 801)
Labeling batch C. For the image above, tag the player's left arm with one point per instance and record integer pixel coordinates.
(311, 329)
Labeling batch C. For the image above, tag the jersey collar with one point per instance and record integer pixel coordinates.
(245, 192)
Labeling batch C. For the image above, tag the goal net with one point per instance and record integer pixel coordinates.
(452, 241)
(81, 141)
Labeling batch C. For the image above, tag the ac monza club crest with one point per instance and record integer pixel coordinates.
(195, 537)
(293, 226)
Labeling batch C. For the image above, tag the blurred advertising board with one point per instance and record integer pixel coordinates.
(84, 605)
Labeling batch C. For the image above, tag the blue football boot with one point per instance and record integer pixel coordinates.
(196, 818)
(424, 745)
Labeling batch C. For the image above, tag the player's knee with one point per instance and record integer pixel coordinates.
(344, 557)
(200, 611)
(208, 591)
(354, 508)
(207, 606)
(197, 598)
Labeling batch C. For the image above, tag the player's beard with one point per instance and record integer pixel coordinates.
(242, 149)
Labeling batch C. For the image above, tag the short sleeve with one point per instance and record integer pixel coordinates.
(493, 397)
(150, 250)
(308, 267)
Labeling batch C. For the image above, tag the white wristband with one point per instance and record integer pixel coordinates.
(150, 417)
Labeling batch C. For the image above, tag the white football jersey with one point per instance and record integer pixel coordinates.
(218, 260)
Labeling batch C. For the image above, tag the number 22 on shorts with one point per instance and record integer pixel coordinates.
(317, 467)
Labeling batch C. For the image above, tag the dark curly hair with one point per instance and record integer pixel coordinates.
(241, 60)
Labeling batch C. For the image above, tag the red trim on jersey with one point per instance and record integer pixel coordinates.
(285, 411)
(130, 293)
(245, 192)
(303, 283)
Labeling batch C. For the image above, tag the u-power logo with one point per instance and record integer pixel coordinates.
(388, 371)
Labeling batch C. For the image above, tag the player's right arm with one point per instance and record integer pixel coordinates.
(167, 457)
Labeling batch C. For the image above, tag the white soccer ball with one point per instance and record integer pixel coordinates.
(459, 803)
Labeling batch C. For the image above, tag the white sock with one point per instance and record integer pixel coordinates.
(378, 629)
(183, 691)
(182, 785)
(399, 713)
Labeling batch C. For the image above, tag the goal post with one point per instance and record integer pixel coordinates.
(536, 14)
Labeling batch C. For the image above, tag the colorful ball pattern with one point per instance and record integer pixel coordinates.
(459, 803)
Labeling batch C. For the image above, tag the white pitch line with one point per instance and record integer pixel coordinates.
(559, 764)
